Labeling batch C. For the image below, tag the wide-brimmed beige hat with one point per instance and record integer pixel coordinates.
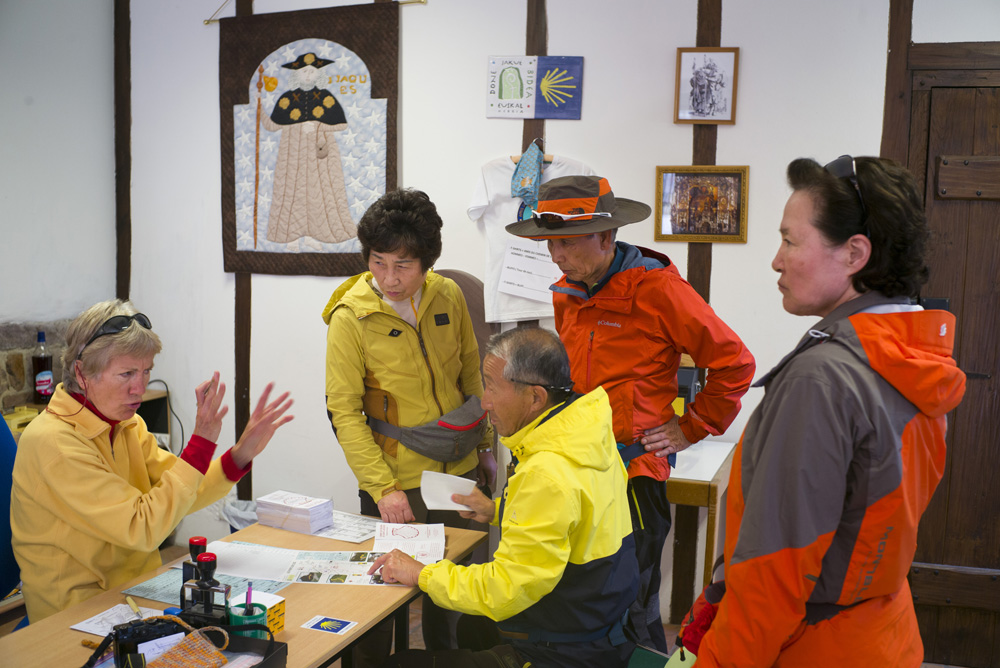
(573, 206)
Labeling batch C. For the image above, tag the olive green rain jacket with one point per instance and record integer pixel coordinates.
(378, 364)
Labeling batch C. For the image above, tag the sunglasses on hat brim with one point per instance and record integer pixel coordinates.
(554, 219)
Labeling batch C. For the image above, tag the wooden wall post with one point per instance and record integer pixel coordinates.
(242, 327)
(123, 147)
(699, 275)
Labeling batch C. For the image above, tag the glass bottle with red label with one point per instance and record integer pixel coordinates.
(41, 362)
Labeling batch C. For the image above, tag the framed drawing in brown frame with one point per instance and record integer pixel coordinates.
(702, 203)
(705, 85)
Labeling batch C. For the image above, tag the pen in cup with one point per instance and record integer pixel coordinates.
(249, 605)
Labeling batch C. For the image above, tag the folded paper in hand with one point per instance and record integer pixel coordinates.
(437, 488)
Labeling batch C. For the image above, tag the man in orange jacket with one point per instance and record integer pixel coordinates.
(625, 315)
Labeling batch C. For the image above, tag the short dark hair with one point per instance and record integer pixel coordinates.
(533, 355)
(895, 221)
(402, 221)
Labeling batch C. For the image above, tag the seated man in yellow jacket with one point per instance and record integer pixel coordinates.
(565, 571)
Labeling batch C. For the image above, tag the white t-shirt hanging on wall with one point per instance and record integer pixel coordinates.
(493, 205)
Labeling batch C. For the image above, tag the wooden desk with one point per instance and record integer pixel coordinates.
(51, 642)
(700, 480)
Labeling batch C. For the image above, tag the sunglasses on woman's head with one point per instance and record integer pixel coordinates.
(843, 168)
(116, 325)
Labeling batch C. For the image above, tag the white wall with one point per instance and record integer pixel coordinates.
(956, 21)
(56, 158)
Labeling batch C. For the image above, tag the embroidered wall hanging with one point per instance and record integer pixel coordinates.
(308, 116)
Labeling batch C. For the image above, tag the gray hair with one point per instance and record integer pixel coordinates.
(133, 341)
(533, 355)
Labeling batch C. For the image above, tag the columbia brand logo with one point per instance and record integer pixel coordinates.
(608, 323)
(944, 330)
(441, 319)
(869, 575)
(395, 332)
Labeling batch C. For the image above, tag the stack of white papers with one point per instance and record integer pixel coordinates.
(294, 512)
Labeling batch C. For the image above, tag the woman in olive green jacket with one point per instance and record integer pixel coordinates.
(401, 352)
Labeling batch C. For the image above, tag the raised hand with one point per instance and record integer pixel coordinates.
(264, 421)
(208, 420)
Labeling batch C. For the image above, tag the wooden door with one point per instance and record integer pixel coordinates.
(954, 150)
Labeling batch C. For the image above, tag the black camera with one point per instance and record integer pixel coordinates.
(129, 638)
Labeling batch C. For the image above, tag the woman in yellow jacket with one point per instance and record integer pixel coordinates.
(401, 354)
(93, 496)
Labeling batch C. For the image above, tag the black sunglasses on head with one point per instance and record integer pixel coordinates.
(843, 168)
(116, 325)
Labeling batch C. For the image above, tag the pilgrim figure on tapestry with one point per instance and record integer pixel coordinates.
(309, 195)
(311, 157)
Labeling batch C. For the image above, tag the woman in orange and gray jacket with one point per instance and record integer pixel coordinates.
(841, 457)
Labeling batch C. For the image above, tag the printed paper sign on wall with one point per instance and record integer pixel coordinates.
(534, 87)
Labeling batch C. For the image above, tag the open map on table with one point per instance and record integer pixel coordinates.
(252, 561)
(166, 587)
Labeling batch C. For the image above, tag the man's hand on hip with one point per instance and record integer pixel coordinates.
(665, 439)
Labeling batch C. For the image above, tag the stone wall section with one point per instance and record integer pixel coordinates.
(17, 344)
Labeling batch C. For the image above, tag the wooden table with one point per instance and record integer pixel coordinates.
(51, 642)
(700, 480)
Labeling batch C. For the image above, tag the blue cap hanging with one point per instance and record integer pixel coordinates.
(528, 176)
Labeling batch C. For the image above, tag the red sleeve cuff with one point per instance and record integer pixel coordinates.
(229, 467)
(198, 453)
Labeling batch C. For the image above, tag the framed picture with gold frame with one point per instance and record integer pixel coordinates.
(705, 86)
(701, 203)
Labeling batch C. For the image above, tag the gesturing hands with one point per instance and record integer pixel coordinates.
(264, 421)
(208, 420)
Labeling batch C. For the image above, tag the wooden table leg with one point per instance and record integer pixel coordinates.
(710, 534)
(685, 560)
(402, 626)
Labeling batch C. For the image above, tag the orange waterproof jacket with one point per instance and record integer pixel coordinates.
(835, 468)
(628, 338)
